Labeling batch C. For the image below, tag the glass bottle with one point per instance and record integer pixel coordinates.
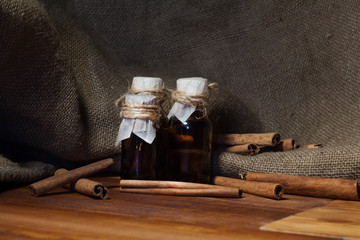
(139, 157)
(162, 152)
(189, 151)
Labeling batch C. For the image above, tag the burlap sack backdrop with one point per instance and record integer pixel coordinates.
(286, 66)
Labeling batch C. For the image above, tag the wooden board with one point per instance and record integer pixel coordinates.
(339, 219)
(66, 215)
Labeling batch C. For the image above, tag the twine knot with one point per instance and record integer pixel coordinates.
(140, 111)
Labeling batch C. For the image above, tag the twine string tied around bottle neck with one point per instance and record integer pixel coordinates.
(140, 111)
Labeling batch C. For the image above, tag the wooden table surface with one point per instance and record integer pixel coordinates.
(66, 215)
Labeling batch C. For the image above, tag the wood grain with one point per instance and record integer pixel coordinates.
(339, 219)
(63, 214)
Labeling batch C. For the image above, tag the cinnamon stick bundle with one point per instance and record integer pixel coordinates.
(198, 192)
(265, 139)
(250, 149)
(86, 186)
(263, 189)
(343, 189)
(41, 187)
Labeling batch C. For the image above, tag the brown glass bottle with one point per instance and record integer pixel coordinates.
(162, 149)
(138, 158)
(189, 151)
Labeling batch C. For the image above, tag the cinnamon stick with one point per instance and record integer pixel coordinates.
(41, 187)
(185, 138)
(203, 192)
(343, 189)
(265, 139)
(318, 145)
(263, 189)
(284, 145)
(125, 183)
(86, 186)
(250, 149)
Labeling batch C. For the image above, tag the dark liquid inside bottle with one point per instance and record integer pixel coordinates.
(138, 159)
(162, 150)
(189, 149)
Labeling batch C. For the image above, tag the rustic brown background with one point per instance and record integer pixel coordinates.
(286, 66)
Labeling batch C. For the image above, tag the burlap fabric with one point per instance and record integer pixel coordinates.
(286, 66)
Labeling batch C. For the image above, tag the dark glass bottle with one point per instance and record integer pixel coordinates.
(138, 158)
(162, 149)
(189, 154)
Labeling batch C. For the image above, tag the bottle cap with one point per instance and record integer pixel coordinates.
(146, 83)
(193, 85)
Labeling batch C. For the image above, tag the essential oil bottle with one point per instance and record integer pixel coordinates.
(189, 133)
(138, 134)
(138, 158)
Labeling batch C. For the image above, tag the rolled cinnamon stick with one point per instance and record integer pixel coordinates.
(86, 186)
(126, 183)
(284, 145)
(263, 189)
(264, 139)
(41, 187)
(250, 149)
(203, 192)
(343, 189)
(317, 145)
(185, 138)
